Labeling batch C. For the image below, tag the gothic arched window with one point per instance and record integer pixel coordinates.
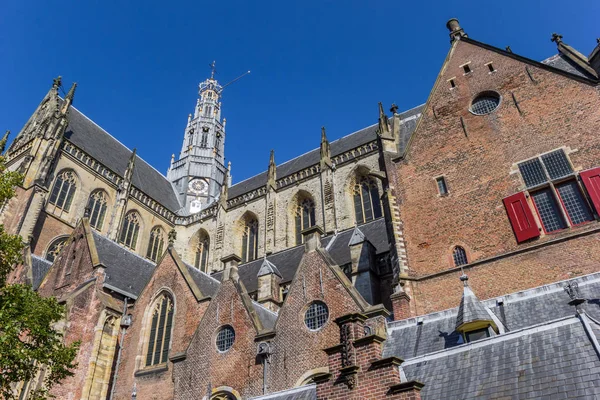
(55, 248)
(367, 205)
(305, 217)
(97, 209)
(155, 246)
(250, 241)
(460, 256)
(161, 325)
(130, 230)
(63, 190)
(201, 261)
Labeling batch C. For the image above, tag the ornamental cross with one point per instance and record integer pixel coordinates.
(556, 38)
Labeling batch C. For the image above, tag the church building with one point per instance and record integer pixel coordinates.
(448, 251)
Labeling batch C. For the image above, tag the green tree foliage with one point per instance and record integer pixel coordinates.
(30, 340)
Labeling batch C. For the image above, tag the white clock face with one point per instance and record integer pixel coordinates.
(198, 186)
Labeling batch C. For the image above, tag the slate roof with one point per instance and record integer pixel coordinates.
(207, 284)
(125, 271)
(470, 309)
(287, 261)
(266, 316)
(99, 144)
(338, 147)
(555, 360)
(410, 338)
(267, 267)
(563, 63)
(307, 392)
(39, 269)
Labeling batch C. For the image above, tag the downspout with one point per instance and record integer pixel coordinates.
(125, 322)
(264, 375)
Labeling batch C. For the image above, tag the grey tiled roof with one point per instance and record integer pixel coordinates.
(287, 261)
(125, 270)
(409, 338)
(39, 269)
(267, 317)
(308, 392)
(470, 309)
(338, 147)
(98, 143)
(207, 284)
(267, 267)
(563, 63)
(374, 232)
(555, 360)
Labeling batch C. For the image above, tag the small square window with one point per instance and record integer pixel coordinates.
(491, 67)
(442, 187)
(466, 68)
(452, 83)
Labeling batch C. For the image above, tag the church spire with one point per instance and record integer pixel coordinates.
(198, 173)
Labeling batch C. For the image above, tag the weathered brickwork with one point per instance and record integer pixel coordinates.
(156, 382)
(478, 162)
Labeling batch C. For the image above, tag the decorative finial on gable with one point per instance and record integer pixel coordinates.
(272, 173)
(3, 141)
(556, 38)
(172, 236)
(325, 150)
(509, 49)
(572, 289)
(57, 82)
(394, 108)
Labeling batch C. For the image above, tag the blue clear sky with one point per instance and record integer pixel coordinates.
(313, 63)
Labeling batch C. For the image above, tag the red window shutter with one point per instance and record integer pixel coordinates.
(591, 181)
(521, 217)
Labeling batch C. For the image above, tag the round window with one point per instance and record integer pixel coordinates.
(225, 338)
(316, 315)
(485, 103)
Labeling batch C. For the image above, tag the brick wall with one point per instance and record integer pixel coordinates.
(556, 111)
(157, 383)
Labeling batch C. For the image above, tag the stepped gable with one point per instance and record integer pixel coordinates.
(410, 338)
(126, 272)
(95, 141)
(39, 269)
(306, 392)
(541, 362)
(287, 261)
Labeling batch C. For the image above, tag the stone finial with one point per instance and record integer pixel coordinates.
(130, 165)
(572, 289)
(384, 127)
(394, 108)
(3, 141)
(556, 38)
(272, 172)
(69, 98)
(172, 237)
(325, 150)
(456, 32)
(57, 82)
(509, 49)
(598, 40)
(86, 211)
(357, 237)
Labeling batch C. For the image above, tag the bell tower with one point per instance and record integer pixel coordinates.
(198, 173)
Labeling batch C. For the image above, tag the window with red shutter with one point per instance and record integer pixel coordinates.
(521, 217)
(591, 181)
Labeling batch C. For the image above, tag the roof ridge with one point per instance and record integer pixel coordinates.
(200, 272)
(547, 325)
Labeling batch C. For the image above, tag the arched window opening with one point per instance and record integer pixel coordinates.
(201, 261)
(155, 246)
(305, 218)
(367, 205)
(97, 209)
(161, 326)
(250, 241)
(130, 230)
(460, 256)
(63, 190)
(55, 248)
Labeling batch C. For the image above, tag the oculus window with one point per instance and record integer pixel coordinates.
(485, 103)
(316, 315)
(225, 338)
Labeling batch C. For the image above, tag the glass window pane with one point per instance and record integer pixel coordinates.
(366, 198)
(376, 201)
(548, 210)
(532, 172)
(574, 203)
(360, 218)
(557, 164)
